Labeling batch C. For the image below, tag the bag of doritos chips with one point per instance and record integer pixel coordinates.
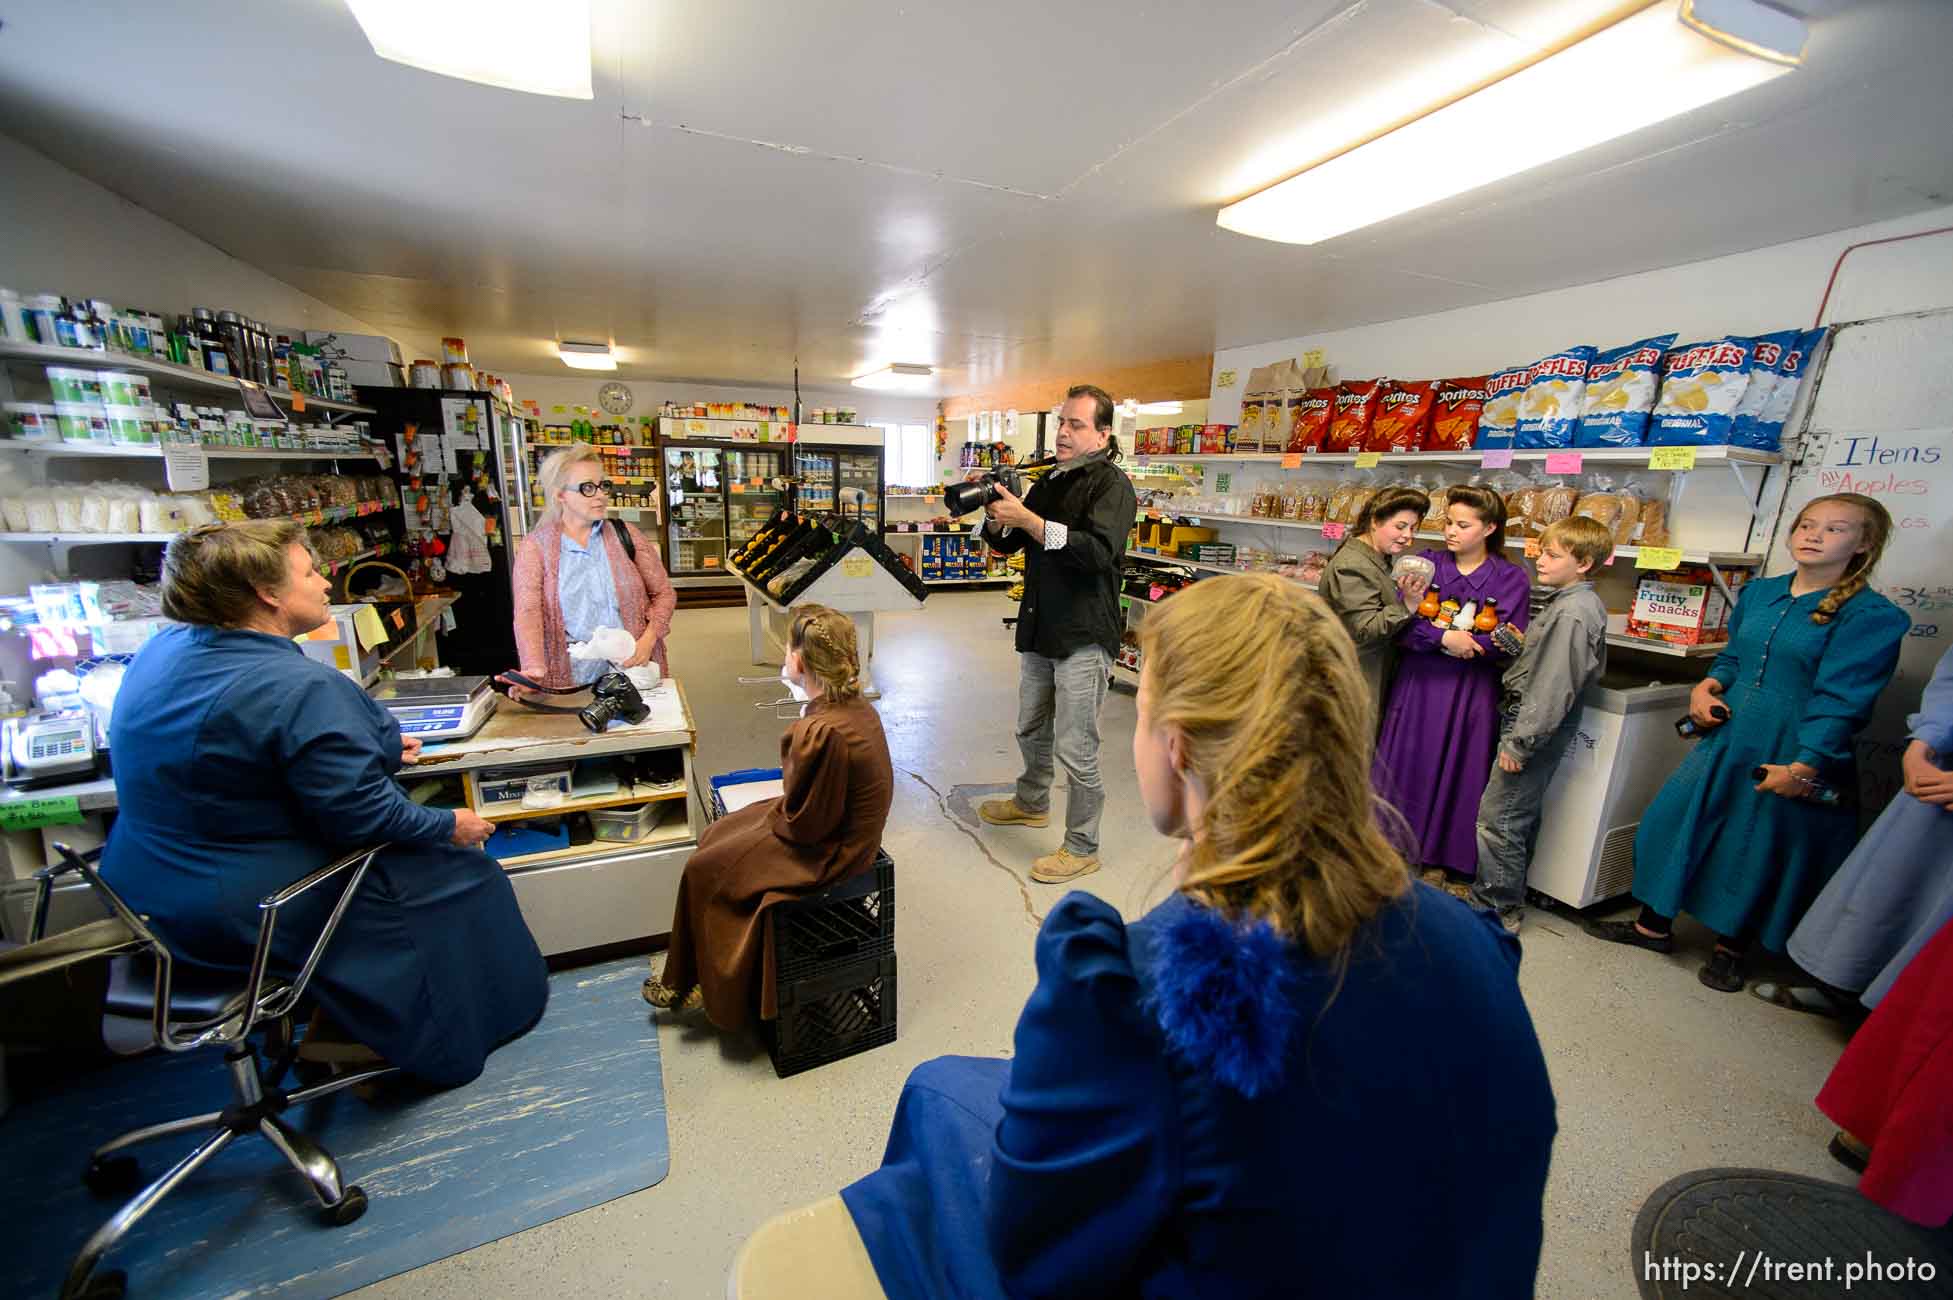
(1454, 420)
(1403, 413)
(1621, 385)
(1356, 408)
(1309, 422)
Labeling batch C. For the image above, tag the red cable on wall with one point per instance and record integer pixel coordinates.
(1830, 284)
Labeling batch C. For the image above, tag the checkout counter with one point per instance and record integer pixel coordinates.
(521, 769)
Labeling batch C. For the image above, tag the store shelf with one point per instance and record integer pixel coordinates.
(968, 582)
(1147, 557)
(1724, 559)
(614, 448)
(427, 614)
(1588, 456)
(338, 514)
(655, 794)
(1648, 646)
(181, 376)
(676, 832)
(929, 532)
(112, 452)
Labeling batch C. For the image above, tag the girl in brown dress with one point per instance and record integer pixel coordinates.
(825, 828)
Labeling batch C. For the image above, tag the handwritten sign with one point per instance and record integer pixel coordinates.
(1563, 462)
(1532, 548)
(857, 565)
(1368, 459)
(30, 814)
(1334, 532)
(1312, 358)
(1293, 460)
(1671, 458)
(1500, 459)
(1658, 557)
(1225, 379)
(556, 410)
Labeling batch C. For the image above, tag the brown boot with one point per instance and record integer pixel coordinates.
(665, 998)
(1064, 865)
(1006, 812)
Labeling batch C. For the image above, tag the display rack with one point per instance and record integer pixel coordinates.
(177, 376)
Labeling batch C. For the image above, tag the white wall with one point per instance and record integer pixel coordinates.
(65, 234)
(1748, 293)
(571, 390)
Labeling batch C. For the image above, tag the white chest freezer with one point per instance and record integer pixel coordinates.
(1625, 748)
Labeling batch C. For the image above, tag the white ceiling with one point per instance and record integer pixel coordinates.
(997, 189)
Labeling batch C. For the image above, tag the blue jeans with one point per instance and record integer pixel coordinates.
(1058, 703)
(1508, 819)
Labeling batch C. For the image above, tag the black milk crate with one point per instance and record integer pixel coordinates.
(850, 922)
(846, 1009)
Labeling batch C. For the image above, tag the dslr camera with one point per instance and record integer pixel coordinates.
(613, 696)
(964, 498)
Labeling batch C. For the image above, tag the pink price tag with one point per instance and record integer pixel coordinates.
(1563, 462)
(1501, 459)
(1334, 532)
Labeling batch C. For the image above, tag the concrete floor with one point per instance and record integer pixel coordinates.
(1655, 1075)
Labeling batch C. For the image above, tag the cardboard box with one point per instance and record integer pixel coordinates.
(356, 347)
(336, 645)
(1685, 607)
(374, 374)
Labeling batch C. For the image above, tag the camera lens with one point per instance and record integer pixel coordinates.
(962, 498)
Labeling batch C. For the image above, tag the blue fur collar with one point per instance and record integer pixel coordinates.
(1224, 994)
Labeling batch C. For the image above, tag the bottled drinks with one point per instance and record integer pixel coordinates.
(1488, 617)
(1429, 606)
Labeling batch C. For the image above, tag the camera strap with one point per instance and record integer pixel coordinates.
(501, 682)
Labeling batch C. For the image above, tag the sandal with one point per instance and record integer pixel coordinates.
(1785, 996)
(1849, 1152)
(1723, 972)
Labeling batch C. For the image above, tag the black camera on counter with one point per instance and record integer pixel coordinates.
(962, 498)
(613, 696)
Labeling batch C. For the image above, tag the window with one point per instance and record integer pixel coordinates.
(911, 455)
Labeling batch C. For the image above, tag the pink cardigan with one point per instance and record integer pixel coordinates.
(644, 598)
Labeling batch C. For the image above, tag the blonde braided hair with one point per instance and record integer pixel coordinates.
(1876, 531)
(1261, 679)
(825, 641)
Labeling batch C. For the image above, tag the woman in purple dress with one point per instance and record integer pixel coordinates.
(1441, 725)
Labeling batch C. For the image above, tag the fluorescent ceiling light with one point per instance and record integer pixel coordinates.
(586, 356)
(1653, 65)
(899, 378)
(1160, 408)
(527, 45)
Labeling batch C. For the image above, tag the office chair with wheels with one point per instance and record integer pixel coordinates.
(210, 1010)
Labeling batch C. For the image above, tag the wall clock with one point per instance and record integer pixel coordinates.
(616, 398)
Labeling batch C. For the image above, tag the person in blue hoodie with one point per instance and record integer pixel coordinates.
(1241, 1093)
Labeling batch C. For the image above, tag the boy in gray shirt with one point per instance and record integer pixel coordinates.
(1566, 649)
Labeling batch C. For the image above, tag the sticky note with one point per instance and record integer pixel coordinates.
(1671, 458)
(367, 626)
(556, 410)
(1334, 532)
(1563, 462)
(52, 810)
(1293, 460)
(1658, 557)
(1532, 548)
(1368, 459)
(1500, 459)
(298, 403)
(1312, 358)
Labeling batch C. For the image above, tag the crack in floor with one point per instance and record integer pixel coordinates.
(942, 806)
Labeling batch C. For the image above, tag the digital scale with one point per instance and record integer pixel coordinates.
(437, 708)
(50, 747)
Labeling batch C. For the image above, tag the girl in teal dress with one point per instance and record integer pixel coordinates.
(1808, 654)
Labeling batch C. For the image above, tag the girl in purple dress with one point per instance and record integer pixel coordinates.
(1441, 725)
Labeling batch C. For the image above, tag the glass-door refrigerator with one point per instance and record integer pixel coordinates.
(829, 472)
(719, 495)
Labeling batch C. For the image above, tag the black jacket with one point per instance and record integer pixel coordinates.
(1071, 595)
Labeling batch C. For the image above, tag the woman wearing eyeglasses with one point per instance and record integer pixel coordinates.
(575, 574)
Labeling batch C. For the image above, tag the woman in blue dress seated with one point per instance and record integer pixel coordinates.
(242, 766)
(1742, 836)
(1245, 1091)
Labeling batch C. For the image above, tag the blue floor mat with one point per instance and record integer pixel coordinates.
(568, 1116)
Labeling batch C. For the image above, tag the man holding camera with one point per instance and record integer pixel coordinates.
(1072, 528)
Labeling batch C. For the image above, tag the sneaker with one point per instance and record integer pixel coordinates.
(1006, 812)
(1628, 933)
(1057, 868)
(664, 997)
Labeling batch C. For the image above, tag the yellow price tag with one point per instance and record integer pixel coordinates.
(1658, 557)
(1293, 460)
(556, 410)
(1671, 458)
(1368, 459)
(1312, 358)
